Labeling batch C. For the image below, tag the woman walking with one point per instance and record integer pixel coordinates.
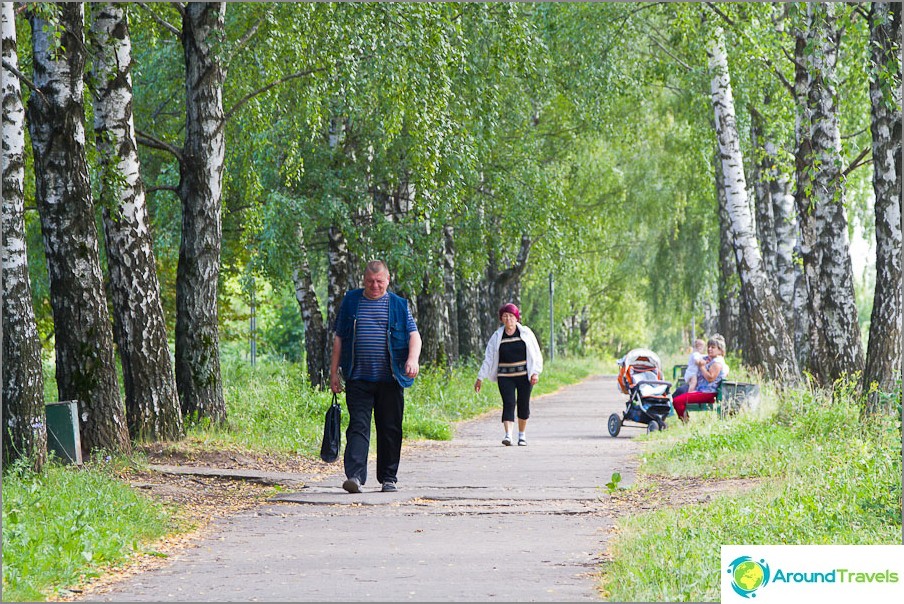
(513, 359)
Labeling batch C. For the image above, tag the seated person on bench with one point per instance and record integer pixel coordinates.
(711, 372)
(698, 353)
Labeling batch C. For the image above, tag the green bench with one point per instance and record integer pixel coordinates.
(734, 396)
(731, 396)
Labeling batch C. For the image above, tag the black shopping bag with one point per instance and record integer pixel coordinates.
(332, 426)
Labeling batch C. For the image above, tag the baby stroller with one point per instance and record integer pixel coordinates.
(649, 401)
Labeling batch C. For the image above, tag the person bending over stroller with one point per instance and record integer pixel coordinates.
(711, 371)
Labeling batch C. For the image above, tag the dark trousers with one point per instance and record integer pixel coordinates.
(386, 402)
(515, 391)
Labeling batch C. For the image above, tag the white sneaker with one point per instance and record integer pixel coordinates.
(507, 441)
(522, 441)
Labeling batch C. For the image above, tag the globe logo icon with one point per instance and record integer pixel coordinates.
(748, 575)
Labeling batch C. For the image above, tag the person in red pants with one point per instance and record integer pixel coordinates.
(712, 370)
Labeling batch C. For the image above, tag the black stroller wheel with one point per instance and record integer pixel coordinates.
(614, 425)
(653, 426)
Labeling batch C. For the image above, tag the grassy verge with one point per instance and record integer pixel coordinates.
(68, 524)
(822, 477)
(64, 525)
(272, 409)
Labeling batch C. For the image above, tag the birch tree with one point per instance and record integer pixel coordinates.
(315, 332)
(883, 357)
(24, 429)
(770, 338)
(200, 189)
(85, 367)
(836, 348)
(152, 404)
(731, 319)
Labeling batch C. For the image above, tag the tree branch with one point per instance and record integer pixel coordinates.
(161, 21)
(270, 86)
(155, 143)
(24, 80)
(240, 44)
(671, 54)
(857, 163)
(162, 188)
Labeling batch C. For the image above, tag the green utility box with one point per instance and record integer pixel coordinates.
(63, 436)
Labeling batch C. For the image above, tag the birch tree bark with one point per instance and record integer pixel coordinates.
(789, 278)
(85, 367)
(765, 220)
(883, 357)
(449, 297)
(730, 320)
(836, 349)
(469, 326)
(803, 165)
(770, 340)
(432, 310)
(24, 430)
(338, 277)
(200, 190)
(502, 285)
(315, 333)
(152, 404)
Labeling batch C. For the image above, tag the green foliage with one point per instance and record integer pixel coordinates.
(66, 524)
(817, 476)
(586, 127)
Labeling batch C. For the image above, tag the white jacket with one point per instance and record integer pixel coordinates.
(490, 367)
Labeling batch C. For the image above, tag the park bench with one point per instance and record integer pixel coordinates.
(731, 396)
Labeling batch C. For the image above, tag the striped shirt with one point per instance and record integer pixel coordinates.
(371, 360)
(512, 355)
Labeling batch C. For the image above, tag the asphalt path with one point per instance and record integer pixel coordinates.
(473, 521)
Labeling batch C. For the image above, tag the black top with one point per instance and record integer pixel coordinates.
(512, 355)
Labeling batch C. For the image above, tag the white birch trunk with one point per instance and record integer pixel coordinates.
(315, 333)
(152, 405)
(731, 320)
(883, 358)
(86, 370)
(774, 347)
(24, 430)
(765, 220)
(198, 377)
(834, 332)
(449, 298)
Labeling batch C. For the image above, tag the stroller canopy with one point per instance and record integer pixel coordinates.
(641, 359)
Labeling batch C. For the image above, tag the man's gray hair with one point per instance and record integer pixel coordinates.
(376, 266)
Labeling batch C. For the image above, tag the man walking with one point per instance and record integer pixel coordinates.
(377, 346)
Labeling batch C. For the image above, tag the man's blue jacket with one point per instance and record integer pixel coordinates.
(346, 324)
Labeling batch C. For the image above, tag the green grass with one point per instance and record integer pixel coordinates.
(271, 407)
(65, 524)
(822, 477)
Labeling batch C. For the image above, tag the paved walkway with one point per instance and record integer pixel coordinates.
(473, 521)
